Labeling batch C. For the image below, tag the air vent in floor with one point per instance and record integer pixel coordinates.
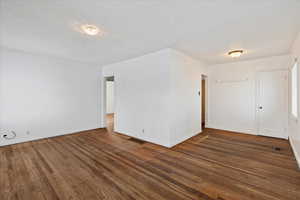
(277, 148)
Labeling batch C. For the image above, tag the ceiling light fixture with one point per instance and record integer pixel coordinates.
(90, 29)
(235, 53)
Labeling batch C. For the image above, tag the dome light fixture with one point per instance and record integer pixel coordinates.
(235, 53)
(90, 29)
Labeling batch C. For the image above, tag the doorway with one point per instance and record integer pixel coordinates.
(109, 103)
(203, 100)
(272, 103)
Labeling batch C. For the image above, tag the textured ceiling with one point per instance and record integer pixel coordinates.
(204, 29)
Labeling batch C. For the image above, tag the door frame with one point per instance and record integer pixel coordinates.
(256, 104)
(103, 122)
(206, 100)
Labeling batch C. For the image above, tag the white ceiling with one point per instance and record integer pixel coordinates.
(204, 29)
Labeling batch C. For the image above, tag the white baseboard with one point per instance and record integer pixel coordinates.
(296, 153)
(233, 129)
(26, 139)
(167, 144)
(184, 139)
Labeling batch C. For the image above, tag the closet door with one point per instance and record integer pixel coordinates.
(272, 103)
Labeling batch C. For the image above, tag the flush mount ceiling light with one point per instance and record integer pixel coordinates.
(235, 53)
(90, 29)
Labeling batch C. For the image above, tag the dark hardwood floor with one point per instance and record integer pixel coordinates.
(98, 164)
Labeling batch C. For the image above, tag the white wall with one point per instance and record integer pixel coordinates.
(46, 96)
(109, 97)
(156, 97)
(232, 105)
(142, 92)
(294, 124)
(186, 103)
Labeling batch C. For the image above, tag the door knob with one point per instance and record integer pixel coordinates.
(260, 107)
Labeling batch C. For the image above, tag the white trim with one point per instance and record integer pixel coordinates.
(206, 99)
(183, 139)
(25, 139)
(103, 102)
(297, 156)
(293, 118)
(295, 64)
(233, 129)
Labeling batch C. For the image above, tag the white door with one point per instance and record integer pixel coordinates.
(272, 103)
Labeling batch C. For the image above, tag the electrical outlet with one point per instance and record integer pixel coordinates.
(28, 132)
(143, 130)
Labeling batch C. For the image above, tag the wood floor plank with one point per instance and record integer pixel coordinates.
(100, 164)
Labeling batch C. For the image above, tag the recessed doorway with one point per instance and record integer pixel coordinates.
(109, 103)
(203, 101)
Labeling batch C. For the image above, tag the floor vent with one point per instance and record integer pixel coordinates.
(277, 148)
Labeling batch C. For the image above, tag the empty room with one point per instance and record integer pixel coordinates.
(149, 100)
